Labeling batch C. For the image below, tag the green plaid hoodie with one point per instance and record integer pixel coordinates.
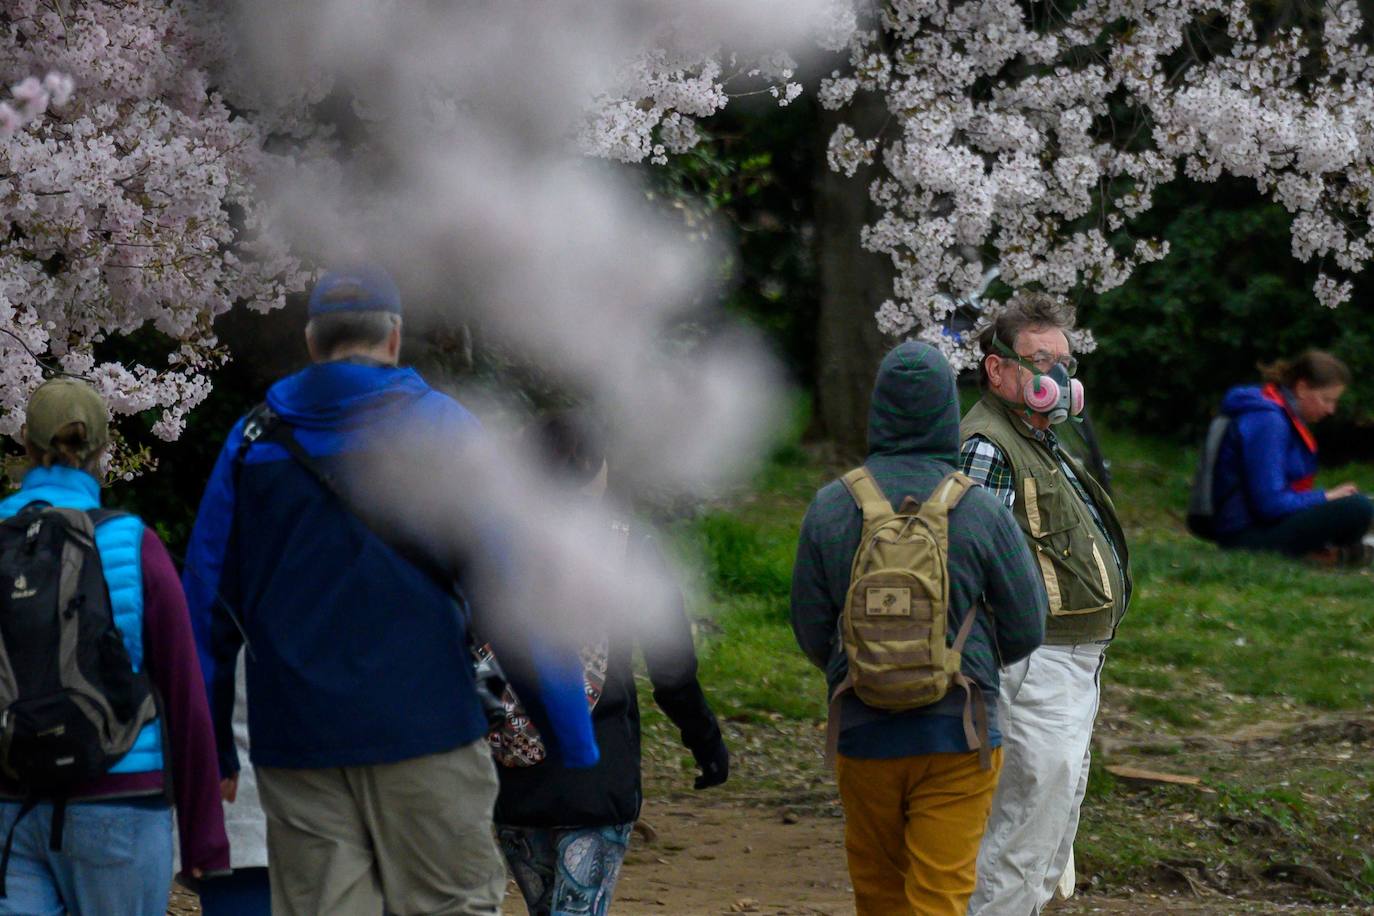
(913, 442)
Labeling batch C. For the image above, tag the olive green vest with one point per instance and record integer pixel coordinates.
(1088, 591)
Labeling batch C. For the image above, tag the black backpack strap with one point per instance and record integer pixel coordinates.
(59, 824)
(102, 514)
(266, 426)
(262, 425)
(29, 804)
(97, 515)
(29, 508)
(256, 424)
(281, 434)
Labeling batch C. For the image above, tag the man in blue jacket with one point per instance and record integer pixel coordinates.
(367, 734)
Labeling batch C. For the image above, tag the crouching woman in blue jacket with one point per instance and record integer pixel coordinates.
(1267, 462)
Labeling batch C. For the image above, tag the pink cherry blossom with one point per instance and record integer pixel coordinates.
(119, 175)
(137, 137)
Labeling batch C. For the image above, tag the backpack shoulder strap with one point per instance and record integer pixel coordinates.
(80, 523)
(101, 515)
(259, 421)
(947, 494)
(867, 495)
(949, 491)
(975, 704)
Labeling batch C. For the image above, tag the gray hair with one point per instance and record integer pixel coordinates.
(1023, 311)
(334, 331)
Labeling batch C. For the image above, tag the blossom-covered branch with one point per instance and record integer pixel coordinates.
(129, 205)
(1030, 138)
(30, 99)
(660, 95)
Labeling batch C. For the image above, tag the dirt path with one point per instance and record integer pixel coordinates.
(725, 858)
(772, 841)
(728, 857)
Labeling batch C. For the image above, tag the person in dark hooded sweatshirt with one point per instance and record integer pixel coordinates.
(916, 796)
(564, 831)
(1263, 483)
(366, 728)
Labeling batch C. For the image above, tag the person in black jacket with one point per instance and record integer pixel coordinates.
(564, 832)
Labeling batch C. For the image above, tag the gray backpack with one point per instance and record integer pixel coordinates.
(1202, 501)
(71, 703)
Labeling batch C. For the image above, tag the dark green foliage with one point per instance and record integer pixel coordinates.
(754, 173)
(168, 496)
(1229, 295)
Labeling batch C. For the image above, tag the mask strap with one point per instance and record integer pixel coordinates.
(1007, 352)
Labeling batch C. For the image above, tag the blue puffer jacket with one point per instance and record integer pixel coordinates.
(1265, 464)
(355, 656)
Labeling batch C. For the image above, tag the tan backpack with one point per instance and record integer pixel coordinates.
(892, 625)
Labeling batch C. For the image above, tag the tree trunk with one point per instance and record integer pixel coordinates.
(854, 283)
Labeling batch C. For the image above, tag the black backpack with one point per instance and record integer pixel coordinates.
(71, 703)
(1202, 500)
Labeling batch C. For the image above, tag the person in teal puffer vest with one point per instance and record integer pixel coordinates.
(115, 852)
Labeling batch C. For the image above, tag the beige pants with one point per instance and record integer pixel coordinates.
(1046, 711)
(413, 836)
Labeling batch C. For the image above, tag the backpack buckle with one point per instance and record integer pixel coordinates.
(259, 421)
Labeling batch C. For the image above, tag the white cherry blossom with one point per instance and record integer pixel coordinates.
(1035, 142)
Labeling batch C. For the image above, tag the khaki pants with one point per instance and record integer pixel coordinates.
(912, 826)
(414, 836)
(1046, 711)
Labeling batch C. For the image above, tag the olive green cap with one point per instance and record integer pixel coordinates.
(60, 401)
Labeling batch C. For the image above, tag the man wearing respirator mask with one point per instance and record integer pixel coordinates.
(1048, 701)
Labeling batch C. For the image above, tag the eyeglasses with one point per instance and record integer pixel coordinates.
(1041, 361)
(1044, 361)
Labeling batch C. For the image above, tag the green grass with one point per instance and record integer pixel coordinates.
(1213, 641)
(750, 663)
(753, 668)
(1258, 626)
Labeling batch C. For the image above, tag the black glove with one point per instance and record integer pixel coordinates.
(686, 705)
(714, 761)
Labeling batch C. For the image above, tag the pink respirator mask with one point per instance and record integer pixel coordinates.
(1055, 393)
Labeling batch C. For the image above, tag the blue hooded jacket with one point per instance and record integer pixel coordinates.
(355, 655)
(1260, 461)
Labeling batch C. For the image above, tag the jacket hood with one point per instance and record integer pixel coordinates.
(1245, 399)
(915, 407)
(343, 394)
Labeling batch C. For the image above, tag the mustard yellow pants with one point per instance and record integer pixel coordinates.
(912, 828)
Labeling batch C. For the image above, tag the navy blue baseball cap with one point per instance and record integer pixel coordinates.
(358, 289)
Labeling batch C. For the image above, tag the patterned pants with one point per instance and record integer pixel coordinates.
(569, 872)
